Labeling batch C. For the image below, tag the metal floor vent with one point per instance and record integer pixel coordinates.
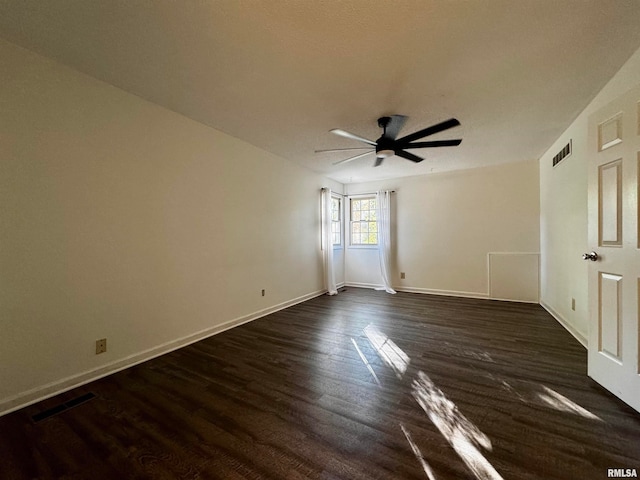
(74, 402)
(562, 154)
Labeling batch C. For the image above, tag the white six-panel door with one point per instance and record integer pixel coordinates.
(614, 276)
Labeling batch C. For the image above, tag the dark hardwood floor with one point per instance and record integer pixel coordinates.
(364, 385)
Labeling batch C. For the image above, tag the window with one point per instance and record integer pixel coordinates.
(336, 220)
(364, 225)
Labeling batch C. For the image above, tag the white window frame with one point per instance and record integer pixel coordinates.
(339, 222)
(372, 246)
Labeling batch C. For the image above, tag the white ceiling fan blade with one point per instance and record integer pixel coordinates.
(353, 158)
(352, 136)
(329, 150)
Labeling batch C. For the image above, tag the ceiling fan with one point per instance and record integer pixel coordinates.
(388, 145)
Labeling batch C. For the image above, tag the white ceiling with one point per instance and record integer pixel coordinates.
(280, 74)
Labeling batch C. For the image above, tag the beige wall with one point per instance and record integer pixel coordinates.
(124, 220)
(338, 265)
(445, 226)
(563, 213)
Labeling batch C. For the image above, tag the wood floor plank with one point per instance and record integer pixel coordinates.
(362, 385)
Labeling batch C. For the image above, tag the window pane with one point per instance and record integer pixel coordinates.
(335, 229)
(335, 209)
(364, 228)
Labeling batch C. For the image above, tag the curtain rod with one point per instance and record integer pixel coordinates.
(353, 194)
(365, 193)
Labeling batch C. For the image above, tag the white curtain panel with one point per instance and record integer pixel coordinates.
(327, 243)
(383, 213)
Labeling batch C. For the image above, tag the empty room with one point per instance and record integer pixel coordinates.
(284, 239)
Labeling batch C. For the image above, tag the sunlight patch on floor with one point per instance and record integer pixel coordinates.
(365, 361)
(529, 393)
(416, 451)
(462, 434)
(476, 355)
(506, 386)
(558, 401)
(389, 352)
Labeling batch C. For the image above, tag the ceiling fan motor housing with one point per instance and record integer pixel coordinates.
(384, 148)
(384, 145)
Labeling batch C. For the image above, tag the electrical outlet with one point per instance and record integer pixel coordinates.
(573, 304)
(101, 346)
(263, 292)
(402, 275)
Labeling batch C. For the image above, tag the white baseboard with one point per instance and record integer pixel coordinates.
(568, 327)
(362, 285)
(433, 291)
(513, 300)
(43, 392)
(447, 293)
